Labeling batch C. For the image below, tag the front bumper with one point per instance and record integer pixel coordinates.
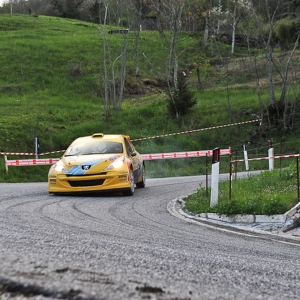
(88, 183)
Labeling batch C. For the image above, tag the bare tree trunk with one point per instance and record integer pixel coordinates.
(175, 68)
(269, 51)
(205, 38)
(199, 83)
(258, 89)
(218, 26)
(114, 70)
(123, 72)
(234, 27)
(270, 76)
(104, 63)
(137, 36)
(284, 81)
(137, 69)
(171, 12)
(248, 32)
(284, 86)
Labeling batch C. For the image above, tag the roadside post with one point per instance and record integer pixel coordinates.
(298, 182)
(271, 154)
(246, 158)
(230, 175)
(215, 177)
(6, 167)
(206, 173)
(37, 147)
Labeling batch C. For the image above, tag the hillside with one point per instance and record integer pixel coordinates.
(51, 86)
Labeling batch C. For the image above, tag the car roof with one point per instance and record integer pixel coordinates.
(101, 136)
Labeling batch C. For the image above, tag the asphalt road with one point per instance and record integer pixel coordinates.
(113, 247)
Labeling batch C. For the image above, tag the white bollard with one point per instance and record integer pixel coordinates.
(271, 155)
(215, 169)
(37, 147)
(246, 158)
(6, 167)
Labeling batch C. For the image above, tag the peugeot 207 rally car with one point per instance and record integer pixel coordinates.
(98, 163)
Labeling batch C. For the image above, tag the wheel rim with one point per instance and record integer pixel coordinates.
(131, 178)
(144, 176)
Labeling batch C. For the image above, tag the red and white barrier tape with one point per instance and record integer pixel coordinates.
(183, 154)
(196, 130)
(51, 161)
(17, 153)
(30, 162)
(267, 158)
(30, 153)
(52, 152)
(155, 156)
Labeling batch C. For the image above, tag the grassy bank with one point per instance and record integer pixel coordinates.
(271, 192)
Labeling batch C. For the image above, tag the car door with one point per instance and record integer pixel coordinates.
(133, 158)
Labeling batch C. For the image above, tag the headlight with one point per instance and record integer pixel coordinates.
(58, 167)
(116, 164)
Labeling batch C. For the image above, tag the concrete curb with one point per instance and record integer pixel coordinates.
(244, 218)
(282, 218)
(283, 225)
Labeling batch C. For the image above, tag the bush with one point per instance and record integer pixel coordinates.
(286, 33)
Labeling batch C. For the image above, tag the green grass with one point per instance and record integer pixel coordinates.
(269, 193)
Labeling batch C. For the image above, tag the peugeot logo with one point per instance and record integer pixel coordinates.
(85, 167)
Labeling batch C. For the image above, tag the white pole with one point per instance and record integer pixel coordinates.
(36, 147)
(215, 177)
(271, 155)
(6, 167)
(246, 158)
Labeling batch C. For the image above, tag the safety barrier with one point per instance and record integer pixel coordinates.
(183, 154)
(271, 166)
(50, 161)
(30, 153)
(267, 158)
(30, 162)
(197, 130)
(155, 156)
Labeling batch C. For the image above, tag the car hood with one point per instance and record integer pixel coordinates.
(88, 164)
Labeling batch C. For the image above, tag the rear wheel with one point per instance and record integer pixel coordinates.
(130, 191)
(142, 183)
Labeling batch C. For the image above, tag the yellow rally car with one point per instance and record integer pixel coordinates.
(98, 163)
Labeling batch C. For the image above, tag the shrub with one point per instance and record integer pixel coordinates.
(181, 100)
(287, 33)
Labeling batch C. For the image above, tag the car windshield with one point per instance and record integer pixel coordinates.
(94, 148)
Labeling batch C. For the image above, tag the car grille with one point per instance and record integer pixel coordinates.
(86, 182)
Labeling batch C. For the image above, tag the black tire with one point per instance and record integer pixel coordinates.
(130, 191)
(142, 183)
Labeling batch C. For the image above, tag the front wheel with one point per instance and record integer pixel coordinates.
(130, 191)
(142, 183)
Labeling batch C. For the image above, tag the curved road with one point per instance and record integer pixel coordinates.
(112, 247)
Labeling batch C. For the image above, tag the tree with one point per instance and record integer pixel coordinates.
(278, 110)
(114, 64)
(181, 99)
(169, 14)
